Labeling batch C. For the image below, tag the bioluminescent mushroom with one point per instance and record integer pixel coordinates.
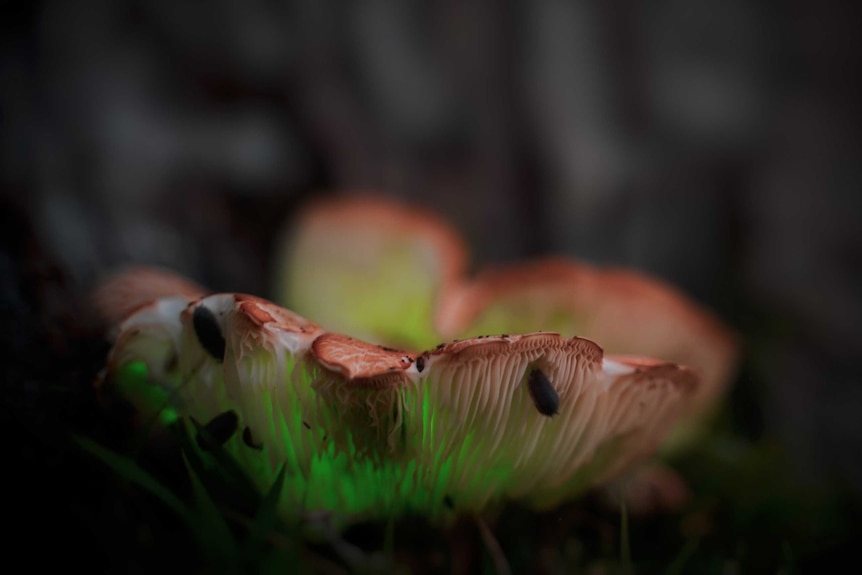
(627, 312)
(365, 431)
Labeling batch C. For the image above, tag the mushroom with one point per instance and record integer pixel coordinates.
(368, 431)
(628, 312)
(392, 274)
(370, 267)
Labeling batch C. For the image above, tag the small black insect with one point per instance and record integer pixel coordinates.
(208, 332)
(420, 364)
(305, 424)
(542, 393)
(249, 440)
(219, 429)
(449, 502)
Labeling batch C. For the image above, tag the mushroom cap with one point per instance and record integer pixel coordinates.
(628, 312)
(120, 294)
(367, 431)
(370, 267)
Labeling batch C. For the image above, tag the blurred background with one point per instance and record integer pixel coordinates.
(715, 144)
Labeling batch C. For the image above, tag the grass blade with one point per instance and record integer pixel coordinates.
(127, 469)
(213, 534)
(265, 518)
(232, 471)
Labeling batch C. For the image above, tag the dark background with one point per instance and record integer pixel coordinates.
(715, 144)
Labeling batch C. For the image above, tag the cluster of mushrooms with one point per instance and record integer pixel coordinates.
(543, 389)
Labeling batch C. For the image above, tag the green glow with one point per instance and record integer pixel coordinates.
(332, 440)
(150, 398)
(389, 300)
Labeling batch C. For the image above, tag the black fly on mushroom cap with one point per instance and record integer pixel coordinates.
(208, 332)
(542, 393)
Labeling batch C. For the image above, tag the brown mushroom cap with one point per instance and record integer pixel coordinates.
(627, 312)
(361, 362)
(121, 294)
(370, 267)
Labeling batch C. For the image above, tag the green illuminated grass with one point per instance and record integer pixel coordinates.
(746, 515)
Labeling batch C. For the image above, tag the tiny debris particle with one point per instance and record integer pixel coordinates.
(305, 424)
(219, 429)
(249, 440)
(420, 363)
(542, 393)
(208, 332)
(449, 502)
